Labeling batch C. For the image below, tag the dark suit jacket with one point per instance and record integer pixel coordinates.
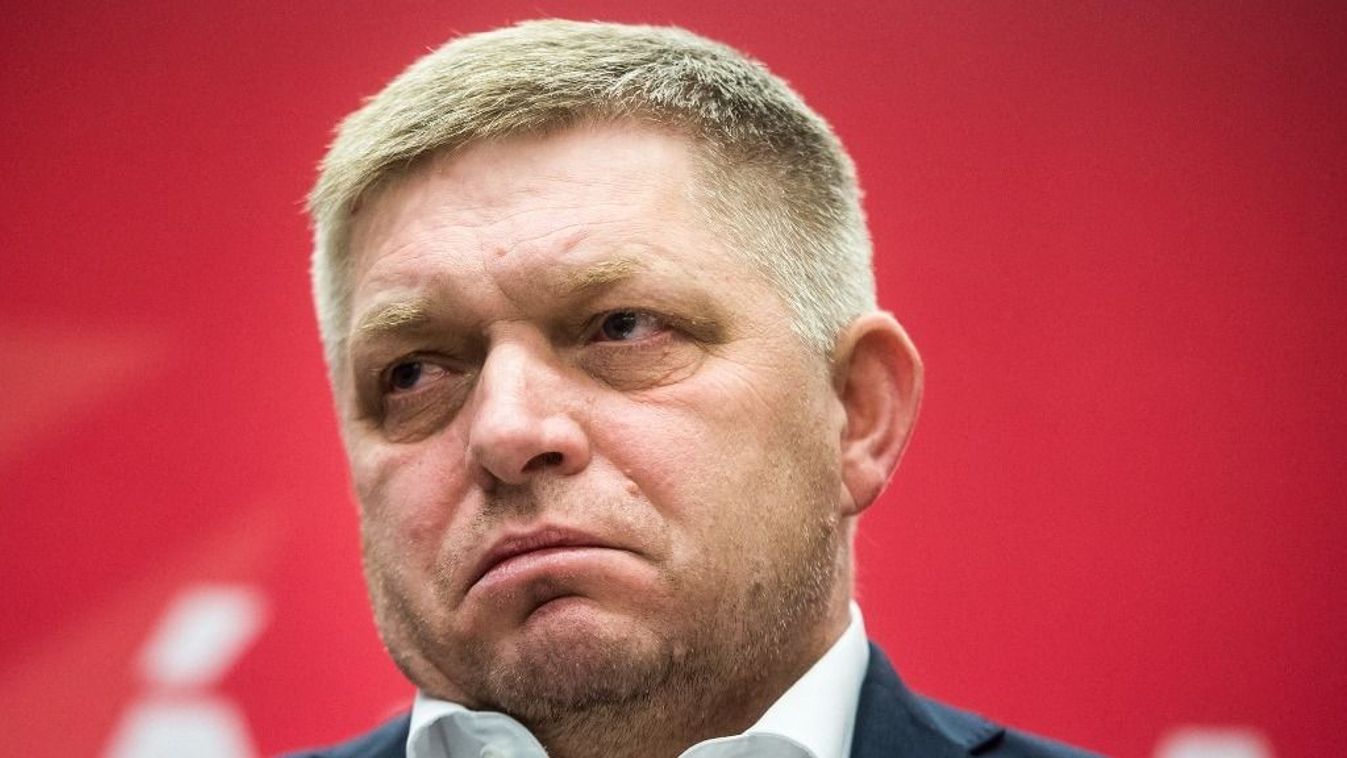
(891, 722)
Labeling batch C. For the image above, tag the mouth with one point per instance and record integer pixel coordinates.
(537, 542)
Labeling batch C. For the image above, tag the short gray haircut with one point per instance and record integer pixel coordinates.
(774, 176)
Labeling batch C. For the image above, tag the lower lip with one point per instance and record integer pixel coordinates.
(546, 562)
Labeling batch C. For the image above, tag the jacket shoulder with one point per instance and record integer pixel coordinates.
(892, 720)
(386, 741)
(1002, 742)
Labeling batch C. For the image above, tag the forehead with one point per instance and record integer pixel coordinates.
(528, 216)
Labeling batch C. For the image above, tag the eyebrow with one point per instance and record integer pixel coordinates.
(395, 316)
(412, 313)
(601, 274)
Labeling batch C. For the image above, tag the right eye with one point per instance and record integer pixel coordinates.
(409, 376)
(417, 396)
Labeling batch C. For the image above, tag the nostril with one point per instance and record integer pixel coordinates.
(543, 461)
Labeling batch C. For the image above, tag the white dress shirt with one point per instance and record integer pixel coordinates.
(814, 718)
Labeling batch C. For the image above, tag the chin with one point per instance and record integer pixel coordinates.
(571, 654)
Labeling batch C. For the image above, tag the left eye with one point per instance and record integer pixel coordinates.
(627, 326)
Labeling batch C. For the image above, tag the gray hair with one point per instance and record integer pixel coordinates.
(776, 178)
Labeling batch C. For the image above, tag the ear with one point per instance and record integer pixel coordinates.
(878, 377)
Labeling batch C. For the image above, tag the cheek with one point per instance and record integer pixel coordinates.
(742, 451)
(409, 496)
(662, 450)
(708, 468)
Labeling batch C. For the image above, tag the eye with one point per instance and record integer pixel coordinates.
(407, 376)
(627, 326)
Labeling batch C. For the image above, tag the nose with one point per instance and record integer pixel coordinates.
(522, 423)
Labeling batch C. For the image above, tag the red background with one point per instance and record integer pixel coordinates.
(1114, 230)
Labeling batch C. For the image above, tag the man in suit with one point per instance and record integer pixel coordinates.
(598, 309)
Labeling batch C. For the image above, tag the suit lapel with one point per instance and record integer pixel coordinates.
(894, 722)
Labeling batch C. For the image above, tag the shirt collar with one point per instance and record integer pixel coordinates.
(819, 710)
(817, 713)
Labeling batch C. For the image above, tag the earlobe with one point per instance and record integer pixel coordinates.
(878, 377)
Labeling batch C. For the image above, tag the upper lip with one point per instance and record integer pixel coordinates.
(510, 545)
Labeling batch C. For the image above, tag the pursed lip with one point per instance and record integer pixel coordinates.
(514, 545)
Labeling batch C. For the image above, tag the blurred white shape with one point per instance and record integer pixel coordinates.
(205, 629)
(1214, 742)
(199, 727)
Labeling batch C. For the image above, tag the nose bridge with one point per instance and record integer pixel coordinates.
(522, 421)
(511, 370)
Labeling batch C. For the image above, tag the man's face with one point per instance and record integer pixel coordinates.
(592, 458)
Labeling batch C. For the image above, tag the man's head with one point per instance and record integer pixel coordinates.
(771, 172)
(597, 307)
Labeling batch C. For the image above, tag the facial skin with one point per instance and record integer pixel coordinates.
(554, 360)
